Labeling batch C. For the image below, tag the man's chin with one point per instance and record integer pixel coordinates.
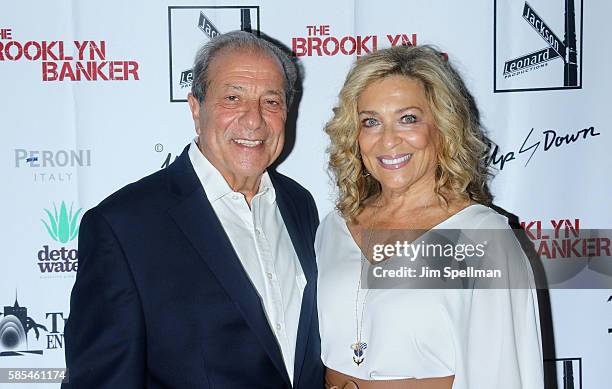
(250, 171)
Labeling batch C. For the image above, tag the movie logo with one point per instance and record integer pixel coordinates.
(76, 60)
(320, 41)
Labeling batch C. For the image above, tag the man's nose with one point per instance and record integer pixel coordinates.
(252, 117)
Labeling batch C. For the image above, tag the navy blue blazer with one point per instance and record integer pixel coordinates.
(161, 300)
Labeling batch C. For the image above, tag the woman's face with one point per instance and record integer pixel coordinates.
(398, 137)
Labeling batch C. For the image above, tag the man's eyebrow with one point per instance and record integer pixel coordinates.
(275, 92)
(240, 88)
(234, 86)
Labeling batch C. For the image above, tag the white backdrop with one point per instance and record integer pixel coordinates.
(74, 141)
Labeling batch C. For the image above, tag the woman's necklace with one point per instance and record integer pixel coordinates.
(360, 346)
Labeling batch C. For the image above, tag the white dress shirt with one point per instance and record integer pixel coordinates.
(486, 338)
(262, 243)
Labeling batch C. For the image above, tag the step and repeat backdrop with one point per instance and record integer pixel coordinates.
(93, 96)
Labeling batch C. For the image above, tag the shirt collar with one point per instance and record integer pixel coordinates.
(213, 182)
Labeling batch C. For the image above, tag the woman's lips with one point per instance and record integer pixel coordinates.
(393, 162)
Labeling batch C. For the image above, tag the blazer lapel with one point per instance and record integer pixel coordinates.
(297, 233)
(197, 220)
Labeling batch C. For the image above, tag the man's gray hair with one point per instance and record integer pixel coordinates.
(239, 40)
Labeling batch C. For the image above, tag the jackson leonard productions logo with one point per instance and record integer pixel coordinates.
(556, 65)
(15, 335)
(63, 227)
(190, 26)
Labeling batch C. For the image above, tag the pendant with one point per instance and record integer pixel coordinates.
(359, 352)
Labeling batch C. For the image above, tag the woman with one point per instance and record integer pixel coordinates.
(407, 152)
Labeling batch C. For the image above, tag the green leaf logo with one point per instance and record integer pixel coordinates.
(62, 227)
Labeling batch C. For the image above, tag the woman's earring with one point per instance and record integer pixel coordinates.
(365, 173)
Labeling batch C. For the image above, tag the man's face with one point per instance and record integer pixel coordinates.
(241, 122)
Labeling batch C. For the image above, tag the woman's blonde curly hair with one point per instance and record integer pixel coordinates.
(462, 171)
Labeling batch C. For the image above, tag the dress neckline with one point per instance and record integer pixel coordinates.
(437, 226)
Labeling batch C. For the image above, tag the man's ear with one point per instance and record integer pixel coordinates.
(194, 105)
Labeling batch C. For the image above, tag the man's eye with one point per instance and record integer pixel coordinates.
(274, 103)
(408, 119)
(231, 98)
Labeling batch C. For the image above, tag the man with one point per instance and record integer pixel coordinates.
(203, 275)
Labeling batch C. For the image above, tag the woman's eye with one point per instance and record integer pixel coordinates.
(369, 122)
(408, 119)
